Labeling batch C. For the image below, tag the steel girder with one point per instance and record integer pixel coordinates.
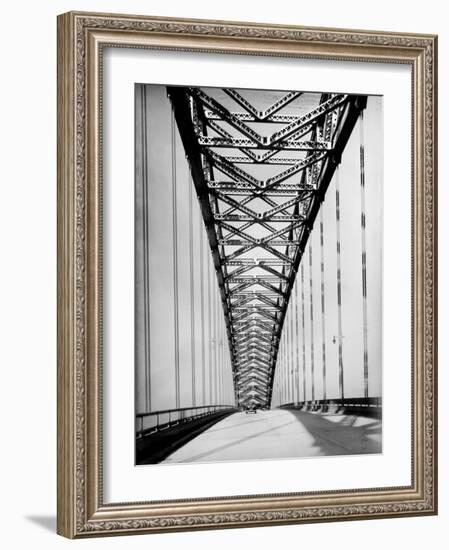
(258, 218)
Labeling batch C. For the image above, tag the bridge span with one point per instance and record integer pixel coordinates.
(258, 274)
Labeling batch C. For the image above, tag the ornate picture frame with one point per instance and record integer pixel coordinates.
(82, 510)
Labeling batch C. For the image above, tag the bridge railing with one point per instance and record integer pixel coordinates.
(362, 405)
(155, 421)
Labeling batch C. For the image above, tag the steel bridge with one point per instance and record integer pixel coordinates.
(260, 175)
(258, 244)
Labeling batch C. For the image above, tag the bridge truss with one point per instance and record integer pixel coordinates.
(261, 163)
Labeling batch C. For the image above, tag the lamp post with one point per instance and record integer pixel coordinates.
(339, 339)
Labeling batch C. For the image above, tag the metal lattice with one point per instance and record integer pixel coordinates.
(260, 175)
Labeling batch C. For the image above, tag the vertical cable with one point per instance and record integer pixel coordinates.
(217, 352)
(290, 397)
(220, 381)
(286, 356)
(287, 381)
(280, 373)
(192, 291)
(223, 378)
(323, 309)
(363, 234)
(292, 359)
(214, 349)
(283, 371)
(223, 381)
(220, 349)
(146, 251)
(175, 261)
(297, 338)
(303, 334)
(285, 359)
(223, 360)
(217, 347)
(340, 335)
(203, 335)
(209, 324)
(312, 351)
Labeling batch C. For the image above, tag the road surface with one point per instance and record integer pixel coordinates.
(282, 434)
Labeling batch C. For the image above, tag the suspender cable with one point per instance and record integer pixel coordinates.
(217, 350)
(209, 325)
(217, 340)
(292, 360)
(175, 261)
(363, 234)
(284, 363)
(340, 336)
(323, 309)
(297, 341)
(220, 360)
(287, 359)
(312, 351)
(146, 250)
(192, 292)
(303, 334)
(280, 374)
(284, 379)
(214, 350)
(218, 369)
(203, 339)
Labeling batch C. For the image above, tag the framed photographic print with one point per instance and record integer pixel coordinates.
(246, 274)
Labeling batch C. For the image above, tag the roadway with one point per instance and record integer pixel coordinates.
(282, 434)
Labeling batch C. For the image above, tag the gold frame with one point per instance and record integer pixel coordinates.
(81, 37)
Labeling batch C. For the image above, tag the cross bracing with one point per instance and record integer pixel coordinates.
(261, 163)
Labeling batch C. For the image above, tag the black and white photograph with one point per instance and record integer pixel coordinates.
(258, 274)
(222, 313)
